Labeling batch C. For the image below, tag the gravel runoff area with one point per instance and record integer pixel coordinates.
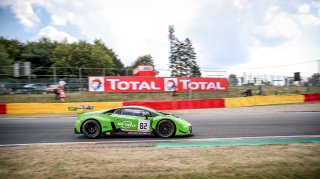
(105, 161)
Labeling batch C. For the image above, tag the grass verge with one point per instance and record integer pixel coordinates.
(102, 161)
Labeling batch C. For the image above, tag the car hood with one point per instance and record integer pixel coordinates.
(174, 117)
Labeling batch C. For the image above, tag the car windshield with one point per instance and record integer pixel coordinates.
(133, 111)
(110, 111)
(151, 110)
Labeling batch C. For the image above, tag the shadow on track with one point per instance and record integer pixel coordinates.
(132, 137)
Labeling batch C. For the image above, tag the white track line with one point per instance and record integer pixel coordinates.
(151, 141)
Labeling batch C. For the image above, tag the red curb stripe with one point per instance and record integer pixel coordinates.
(179, 104)
(311, 97)
(3, 108)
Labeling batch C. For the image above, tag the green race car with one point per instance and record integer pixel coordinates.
(129, 119)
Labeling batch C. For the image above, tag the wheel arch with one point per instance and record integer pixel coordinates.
(154, 124)
(101, 119)
(84, 121)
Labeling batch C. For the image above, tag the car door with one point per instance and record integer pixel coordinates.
(134, 119)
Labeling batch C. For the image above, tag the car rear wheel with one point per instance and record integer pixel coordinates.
(165, 128)
(91, 129)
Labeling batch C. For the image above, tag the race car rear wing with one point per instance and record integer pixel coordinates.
(83, 107)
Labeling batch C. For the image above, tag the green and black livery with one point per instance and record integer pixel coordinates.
(129, 119)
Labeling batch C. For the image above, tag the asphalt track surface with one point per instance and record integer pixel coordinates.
(28, 130)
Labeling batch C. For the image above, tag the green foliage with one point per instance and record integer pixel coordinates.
(192, 64)
(315, 79)
(233, 80)
(143, 60)
(5, 61)
(39, 54)
(60, 58)
(66, 58)
(116, 64)
(14, 48)
(85, 56)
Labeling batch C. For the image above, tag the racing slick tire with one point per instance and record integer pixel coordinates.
(91, 129)
(165, 129)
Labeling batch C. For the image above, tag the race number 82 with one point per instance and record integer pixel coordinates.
(144, 125)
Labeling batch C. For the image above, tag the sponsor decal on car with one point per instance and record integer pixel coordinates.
(126, 124)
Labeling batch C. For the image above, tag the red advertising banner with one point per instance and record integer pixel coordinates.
(155, 84)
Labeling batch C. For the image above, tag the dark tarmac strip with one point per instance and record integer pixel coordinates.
(29, 130)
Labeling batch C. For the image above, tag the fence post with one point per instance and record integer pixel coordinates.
(103, 72)
(190, 94)
(80, 77)
(29, 78)
(54, 75)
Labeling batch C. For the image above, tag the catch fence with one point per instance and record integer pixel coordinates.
(76, 79)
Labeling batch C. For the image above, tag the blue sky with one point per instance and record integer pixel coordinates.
(229, 35)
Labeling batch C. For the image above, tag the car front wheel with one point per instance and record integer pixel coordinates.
(165, 128)
(91, 129)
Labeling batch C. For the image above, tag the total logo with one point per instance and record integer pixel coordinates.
(170, 84)
(96, 84)
(155, 84)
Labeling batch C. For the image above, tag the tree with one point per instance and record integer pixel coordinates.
(191, 54)
(5, 62)
(142, 60)
(183, 60)
(89, 57)
(119, 68)
(182, 57)
(66, 57)
(61, 57)
(14, 48)
(314, 79)
(78, 55)
(39, 55)
(233, 80)
(10, 51)
(102, 57)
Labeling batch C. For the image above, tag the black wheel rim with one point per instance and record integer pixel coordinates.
(92, 128)
(165, 128)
